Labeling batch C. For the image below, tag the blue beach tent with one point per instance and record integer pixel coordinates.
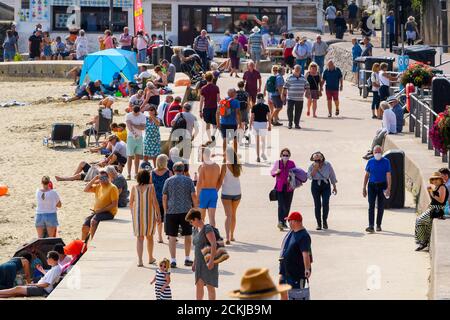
(102, 65)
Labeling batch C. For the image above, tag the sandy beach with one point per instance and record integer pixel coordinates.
(24, 160)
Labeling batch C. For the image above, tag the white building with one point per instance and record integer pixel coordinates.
(184, 18)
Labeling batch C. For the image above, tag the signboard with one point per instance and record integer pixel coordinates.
(39, 10)
(304, 15)
(138, 16)
(161, 14)
(403, 63)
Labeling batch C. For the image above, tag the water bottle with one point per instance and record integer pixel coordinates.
(387, 196)
(195, 179)
(45, 141)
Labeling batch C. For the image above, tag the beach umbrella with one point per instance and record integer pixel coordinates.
(39, 248)
(102, 65)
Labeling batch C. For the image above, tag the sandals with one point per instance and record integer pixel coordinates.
(153, 261)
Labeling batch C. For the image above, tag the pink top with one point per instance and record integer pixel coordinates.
(108, 42)
(125, 39)
(282, 177)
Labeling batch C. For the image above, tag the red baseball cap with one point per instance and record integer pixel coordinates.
(295, 216)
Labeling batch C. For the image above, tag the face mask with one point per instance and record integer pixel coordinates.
(260, 101)
(285, 158)
(377, 156)
(136, 109)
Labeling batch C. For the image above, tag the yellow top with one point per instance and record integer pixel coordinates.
(122, 135)
(104, 195)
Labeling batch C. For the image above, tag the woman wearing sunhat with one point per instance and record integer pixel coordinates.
(439, 195)
(256, 284)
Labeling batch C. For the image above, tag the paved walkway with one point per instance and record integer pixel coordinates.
(348, 263)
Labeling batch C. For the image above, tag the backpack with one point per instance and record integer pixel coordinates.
(271, 84)
(225, 107)
(180, 123)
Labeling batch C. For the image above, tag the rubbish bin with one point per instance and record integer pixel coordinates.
(440, 86)
(158, 54)
(420, 53)
(397, 197)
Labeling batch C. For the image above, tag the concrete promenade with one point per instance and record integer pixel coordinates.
(348, 263)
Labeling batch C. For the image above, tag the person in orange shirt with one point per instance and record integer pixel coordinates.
(105, 205)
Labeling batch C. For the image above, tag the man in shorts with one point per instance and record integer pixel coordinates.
(105, 204)
(229, 122)
(242, 97)
(275, 97)
(253, 82)
(178, 198)
(135, 144)
(44, 286)
(334, 82)
(207, 185)
(209, 97)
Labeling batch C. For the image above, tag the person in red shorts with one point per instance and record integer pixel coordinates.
(209, 98)
(253, 82)
(334, 82)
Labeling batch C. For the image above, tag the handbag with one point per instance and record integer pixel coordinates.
(221, 252)
(436, 213)
(300, 293)
(273, 193)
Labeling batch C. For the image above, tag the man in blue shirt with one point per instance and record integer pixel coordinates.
(296, 257)
(378, 175)
(228, 117)
(334, 82)
(398, 111)
(352, 15)
(390, 29)
(225, 43)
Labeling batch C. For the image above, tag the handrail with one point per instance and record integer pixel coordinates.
(421, 118)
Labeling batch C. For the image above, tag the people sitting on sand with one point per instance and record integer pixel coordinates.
(105, 148)
(140, 81)
(120, 182)
(163, 107)
(105, 105)
(105, 204)
(87, 91)
(10, 269)
(63, 257)
(117, 157)
(170, 71)
(44, 286)
(161, 78)
(136, 100)
(48, 202)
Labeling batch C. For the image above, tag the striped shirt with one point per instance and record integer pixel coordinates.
(255, 41)
(160, 281)
(296, 87)
(201, 44)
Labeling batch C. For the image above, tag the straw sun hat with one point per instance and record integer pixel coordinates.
(436, 175)
(256, 284)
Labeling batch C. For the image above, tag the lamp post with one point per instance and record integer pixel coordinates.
(111, 8)
(444, 24)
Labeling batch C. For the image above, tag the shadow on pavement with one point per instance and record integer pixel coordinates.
(249, 247)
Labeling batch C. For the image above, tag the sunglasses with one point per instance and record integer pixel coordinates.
(285, 155)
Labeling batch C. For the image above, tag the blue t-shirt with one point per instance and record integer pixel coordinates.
(356, 51)
(292, 266)
(390, 22)
(377, 169)
(398, 111)
(331, 78)
(225, 43)
(352, 10)
(231, 119)
(279, 82)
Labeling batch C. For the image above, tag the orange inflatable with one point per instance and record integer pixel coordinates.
(3, 190)
(182, 82)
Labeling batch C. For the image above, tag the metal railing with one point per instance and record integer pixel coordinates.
(421, 118)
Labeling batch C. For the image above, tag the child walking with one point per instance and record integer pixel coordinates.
(162, 281)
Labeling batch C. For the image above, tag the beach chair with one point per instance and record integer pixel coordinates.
(61, 133)
(103, 127)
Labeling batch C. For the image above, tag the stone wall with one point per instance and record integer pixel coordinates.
(343, 59)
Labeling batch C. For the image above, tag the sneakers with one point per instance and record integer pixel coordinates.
(298, 127)
(329, 115)
(421, 247)
(276, 124)
(280, 226)
(337, 112)
(188, 263)
(325, 225)
(290, 127)
(379, 229)
(318, 227)
(263, 156)
(370, 230)
(258, 159)
(173, 265)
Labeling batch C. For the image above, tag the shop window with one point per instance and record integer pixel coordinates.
(218, 22)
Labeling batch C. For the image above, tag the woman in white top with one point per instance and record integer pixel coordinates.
(375, 81)
(385, 81)
(231, 191)
(141, 43)
(48, 202)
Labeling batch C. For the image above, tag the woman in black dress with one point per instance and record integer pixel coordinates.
(340, 25)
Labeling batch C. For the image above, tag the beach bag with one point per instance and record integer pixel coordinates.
(93, 171)
(271, 84)
(221, 253)
(17, 57)
(225, 108)
(79, 142)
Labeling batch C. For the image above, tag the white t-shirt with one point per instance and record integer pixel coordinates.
(121, 148)
(51, 277)
(383, 80)
(139, 119)
(136, 101)
(48, 204)
(389, 121)
(375, 78)
(107, 113)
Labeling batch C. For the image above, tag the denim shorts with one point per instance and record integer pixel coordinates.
(45, 220)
